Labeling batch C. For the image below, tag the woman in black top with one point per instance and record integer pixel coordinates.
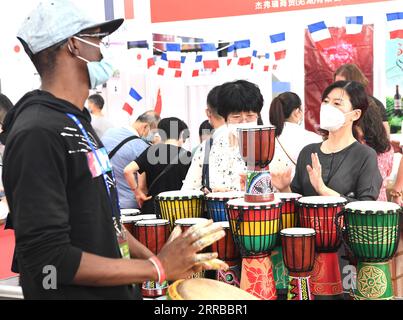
(339, 166)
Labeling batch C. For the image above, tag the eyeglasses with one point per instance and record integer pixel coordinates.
(99, 35)
(239, 118)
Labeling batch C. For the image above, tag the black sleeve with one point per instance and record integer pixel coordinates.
(142, 161)
(382, 109)
(35, 177)
(369, 180)
(296, 184)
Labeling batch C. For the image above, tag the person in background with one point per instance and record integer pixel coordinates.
(70, 240)
(205, 132)
(125, 144)
(164, 165)
(286, 115)
(351, 72)
(340, 165)
(98, 120)
(370, 131)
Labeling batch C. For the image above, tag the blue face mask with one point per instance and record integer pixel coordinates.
(99, 72)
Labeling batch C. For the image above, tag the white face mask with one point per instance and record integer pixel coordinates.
(331, 118)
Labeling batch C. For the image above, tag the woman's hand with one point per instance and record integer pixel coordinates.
(315, 174)
(141, 197)
(281, 180)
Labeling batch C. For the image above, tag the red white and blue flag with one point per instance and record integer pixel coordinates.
(119, 9)
(354, 24)
(197, 66)
(174, 55)
(210, 56)
(133, 98)
(278, 45)
(395, 25)
(320, 35)
(243, 52)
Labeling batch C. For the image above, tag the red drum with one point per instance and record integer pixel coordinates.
(228, 252)
(153, 234)
(299, 256)
(130, 212)
(319, 213)
(289, 209)
(129, 221)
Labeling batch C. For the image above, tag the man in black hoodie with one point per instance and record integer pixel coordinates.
(58, 179)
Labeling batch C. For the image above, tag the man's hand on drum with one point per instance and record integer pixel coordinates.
(281, 180)
(181, 255)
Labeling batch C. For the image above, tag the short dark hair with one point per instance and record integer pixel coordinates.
(205, 127)
(281, 108)
(212, 99)
(239, 96)
(356, 93)
(5, 105)
(171, 128)
(97, 100)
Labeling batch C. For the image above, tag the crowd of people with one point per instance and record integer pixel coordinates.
(68, 171)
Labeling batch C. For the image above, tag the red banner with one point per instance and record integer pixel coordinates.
(176, 10)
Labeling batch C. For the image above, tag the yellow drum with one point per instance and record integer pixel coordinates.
(174, 205)
(206, 289)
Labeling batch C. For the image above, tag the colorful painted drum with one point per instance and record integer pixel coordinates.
(215, 203)
(206, 289)
(130, 221)
(228, 252)
(319, 213)
(299, 256)
(153, 234)
(130, 212)
(255, 226)
(174, 205)
(289, 209)
(372, 233)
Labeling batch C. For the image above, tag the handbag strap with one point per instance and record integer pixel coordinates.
(120, 145)
(285, 151)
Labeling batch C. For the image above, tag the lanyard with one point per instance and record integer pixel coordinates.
(104, 174)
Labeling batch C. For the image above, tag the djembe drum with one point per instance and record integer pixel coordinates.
(372, 233)
(130, 221)
(256, 145)
(185, 224)
(229, 253)
(215, 204)
(206, 289)
(130, 212)
(288, 220)
(255, 228)
(153, 234)
(319, 213)
(174, 205)
(299, 255)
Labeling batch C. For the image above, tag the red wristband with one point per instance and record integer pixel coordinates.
(160, 269)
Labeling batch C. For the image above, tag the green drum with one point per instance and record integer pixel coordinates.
(372, 234)
(279, 270)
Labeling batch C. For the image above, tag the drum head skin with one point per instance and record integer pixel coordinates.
(128, 219)
(206, 289)
(129, 212)
(254, 127)
(297, 232)
(288, 196)
(152, 222)
(189, 221)
(240, 202)
(223, 224)
(221, 196)
(180, 194)
(321, 201)
(372, 206)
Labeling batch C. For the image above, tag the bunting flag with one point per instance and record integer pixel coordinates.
(230, 54)
(158, 103)
(119, 9)
(278, 45)
(254, 59)
(354, 24)
(197, 66)
(395, 25)
(134, 95)
(210, 56)
(244, 52)
(320, 35)
(266, 62)
(174, 55)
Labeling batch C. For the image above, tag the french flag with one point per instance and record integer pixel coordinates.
(173, 55)
(244, 52)
(136, 97)
(197, 66)
(266, 62)
(119, 9)
(354, 24)
(230, 54)
(278, 45)
(164, 70)
(320, 34)
(210, 56)
(395, 25)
